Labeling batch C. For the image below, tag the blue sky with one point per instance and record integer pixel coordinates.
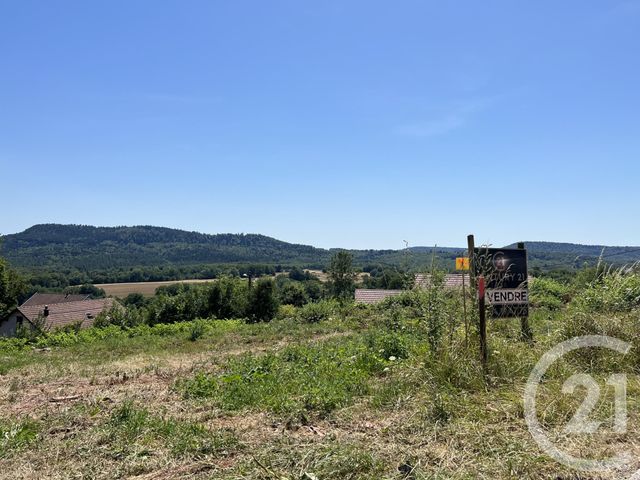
(336, 123)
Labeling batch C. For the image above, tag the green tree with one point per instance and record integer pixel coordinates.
(342, 277)
(313, 289)
(293, 293)
(263, 302)
(296, 273)
(135, 300)
(227, 298)
(12, 287)
(87, 289)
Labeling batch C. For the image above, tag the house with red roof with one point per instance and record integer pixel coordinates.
(60, 311)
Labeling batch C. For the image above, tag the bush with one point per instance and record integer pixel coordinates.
(293, 293)
(90, 335)
(434, 309)
(134, 300)
(263, 304)
(317, 312)
(197, 330)
(313, 289)
(120, 316)
(388, 345)
(227, 298)
(296, 273)
(547, 293)
(87, 289)
(614, 291)
(178, 303)
(287, 311)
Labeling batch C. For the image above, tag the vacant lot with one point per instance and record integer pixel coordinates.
(368, 393)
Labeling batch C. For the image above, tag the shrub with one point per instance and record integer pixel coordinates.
(87, 289)
(434, 309)
(287, 311)
(614, 291)
(313, 289)
(293, 293)
(547, 293)
(135, 300)
(120, 316)
(227, 298)
(407, 299)
(296, 273)
(317, 312)
(197, 329)
(388, 345)
(263, 303)
(90, 335)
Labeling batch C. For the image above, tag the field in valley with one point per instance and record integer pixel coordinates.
(361, 393)
(148, 289)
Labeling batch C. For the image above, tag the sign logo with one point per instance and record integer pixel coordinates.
(581, 423)
(500, 262)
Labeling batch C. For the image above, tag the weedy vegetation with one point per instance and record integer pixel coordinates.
(324, 390)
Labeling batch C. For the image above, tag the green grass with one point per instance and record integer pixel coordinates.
(102, 345)
(133, 429)
(15, 436)
(302, 379)
(361, 393)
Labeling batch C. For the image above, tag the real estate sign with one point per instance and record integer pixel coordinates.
(505, 273)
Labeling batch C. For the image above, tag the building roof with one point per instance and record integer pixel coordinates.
(51, 298)
(365, 295)
(451, 280)
(66, 313)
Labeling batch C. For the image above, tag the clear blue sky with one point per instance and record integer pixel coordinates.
(333, 123)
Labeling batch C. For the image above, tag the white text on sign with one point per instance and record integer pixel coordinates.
(507, 296)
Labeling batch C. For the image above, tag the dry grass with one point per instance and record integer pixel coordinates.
(148, 289)
(125, 417)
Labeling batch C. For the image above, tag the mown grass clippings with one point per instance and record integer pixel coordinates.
(17, 435)
(134, 430)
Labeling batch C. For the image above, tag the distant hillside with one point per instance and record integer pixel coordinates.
(554, 255)
(53, 246)
(87, 247)
(66, 248)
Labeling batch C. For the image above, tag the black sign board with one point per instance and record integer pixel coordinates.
(505, 273)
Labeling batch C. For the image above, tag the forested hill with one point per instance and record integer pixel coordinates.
(557, 255)
(54, 247)
(87, 248)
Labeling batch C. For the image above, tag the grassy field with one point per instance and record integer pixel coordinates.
(148, 289)
(368, 393)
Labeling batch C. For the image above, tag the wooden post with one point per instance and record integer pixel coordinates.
(464, 312)
(484, 352)
(525, 328)
(471, 247)
(472, 283)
